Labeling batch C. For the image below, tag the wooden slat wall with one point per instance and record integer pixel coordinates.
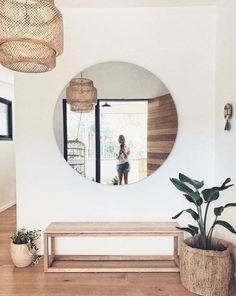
(162, 130)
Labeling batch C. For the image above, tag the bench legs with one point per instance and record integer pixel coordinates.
(176, 248)
(48, 259)
(46, 263)
(50, 256)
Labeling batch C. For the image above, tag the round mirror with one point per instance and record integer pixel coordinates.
(127, 132)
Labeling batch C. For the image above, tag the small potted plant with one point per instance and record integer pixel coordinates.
(206, 264)
(114, 181)
(23, 247)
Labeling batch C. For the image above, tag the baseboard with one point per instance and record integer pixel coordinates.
(7, 206)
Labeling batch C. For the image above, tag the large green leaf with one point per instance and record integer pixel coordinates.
(219, 210)
(187, 229)
(210, 194)
(225, 225)
(223, 186)
(196, 184)
(213, 193)
(230, 205)
(194, 228)
(190, 199)
(196, 197)
(181, 186)
(190, 211)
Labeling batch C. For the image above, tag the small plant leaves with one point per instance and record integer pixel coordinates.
(24, 236)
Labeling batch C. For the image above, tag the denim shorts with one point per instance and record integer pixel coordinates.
(123, 167)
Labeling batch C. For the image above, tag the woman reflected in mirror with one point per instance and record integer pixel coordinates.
(123, 166)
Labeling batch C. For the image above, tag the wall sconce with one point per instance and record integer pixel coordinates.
(228, 112)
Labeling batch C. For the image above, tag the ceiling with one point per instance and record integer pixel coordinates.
(131, 3)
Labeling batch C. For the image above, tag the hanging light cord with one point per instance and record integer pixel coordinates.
(77, 137)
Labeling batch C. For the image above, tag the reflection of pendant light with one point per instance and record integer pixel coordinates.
(106, 105)
(31, 35)
(81, 107)
(81, 94)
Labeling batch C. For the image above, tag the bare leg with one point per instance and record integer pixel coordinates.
(126, 178)
(120, 175)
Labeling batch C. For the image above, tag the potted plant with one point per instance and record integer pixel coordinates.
(23, 247)
(114, 181)
(206, 263)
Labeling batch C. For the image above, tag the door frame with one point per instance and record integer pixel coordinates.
(97, 130)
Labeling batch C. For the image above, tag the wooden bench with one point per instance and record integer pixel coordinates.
(114, 263)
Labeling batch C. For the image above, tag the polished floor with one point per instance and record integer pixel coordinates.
(32, 281)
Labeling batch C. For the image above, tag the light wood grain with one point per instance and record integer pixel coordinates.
(157, 161)
(113, 266)
(112, 228)
(32, 281)
(109, 229)
(46, 259)
(114, 257)
(162, 131)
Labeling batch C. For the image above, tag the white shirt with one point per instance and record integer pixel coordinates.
(121, 158)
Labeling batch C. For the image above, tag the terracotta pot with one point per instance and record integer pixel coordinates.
(21, 255)
(206, 272)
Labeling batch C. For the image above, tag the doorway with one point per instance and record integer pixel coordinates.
(99, 131)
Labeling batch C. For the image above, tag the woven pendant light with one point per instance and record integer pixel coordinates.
(81, 95)
(31, 35)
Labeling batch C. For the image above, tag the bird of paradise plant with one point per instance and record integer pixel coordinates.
(202, 199)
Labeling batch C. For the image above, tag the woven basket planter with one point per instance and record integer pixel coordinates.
(206, 272)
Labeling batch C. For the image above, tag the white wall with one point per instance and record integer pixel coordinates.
(175, 44)
(225, 141)
(7, 148)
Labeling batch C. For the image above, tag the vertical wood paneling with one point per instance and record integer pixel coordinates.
(162, 130)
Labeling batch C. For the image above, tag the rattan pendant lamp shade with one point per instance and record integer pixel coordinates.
(81, 95)
(81, 107)
(31, 35)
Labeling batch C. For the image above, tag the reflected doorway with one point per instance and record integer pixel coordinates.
(91, 139)
(128, 118)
